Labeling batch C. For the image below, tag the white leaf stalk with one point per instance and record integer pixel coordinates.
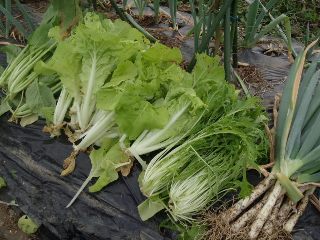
(63, 104)
(150, 141)
(103, 124)
(190, 196)
(18, 78)
(87, 105)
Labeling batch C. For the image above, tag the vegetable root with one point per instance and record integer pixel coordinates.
(241, 205)
(271, 215)
(247, 216)
(300, 209)
(265, 211)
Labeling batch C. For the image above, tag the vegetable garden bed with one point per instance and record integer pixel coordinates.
(122, 98)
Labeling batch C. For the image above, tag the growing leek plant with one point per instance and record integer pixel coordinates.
(156, 9)
(253, 30)
(173, 4)
(10, 21)
(276, 204)
(208, 17)
(140, 5)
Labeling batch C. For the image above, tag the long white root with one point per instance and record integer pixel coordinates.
(270, 225)
(265, 211)
(241, 205)
(289, 225)
(248, 215)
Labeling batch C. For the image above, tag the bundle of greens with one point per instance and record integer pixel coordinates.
(117, 86)
(225, 140)
(20, 82)
(28, 94)
(129, 97)
(276, 204)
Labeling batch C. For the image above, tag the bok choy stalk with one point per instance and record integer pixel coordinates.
(296, 171)
(19, 76)
(192, 176)
(105, 78)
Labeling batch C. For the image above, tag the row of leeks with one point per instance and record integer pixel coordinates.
(276, 204)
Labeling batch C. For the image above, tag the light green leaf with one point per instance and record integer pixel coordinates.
(134, 115)
(27, 225)
(3, 183)
(105, 165)
(125, 71)
(24, 121)
(150, 207)
(161, 53)
(108, 98)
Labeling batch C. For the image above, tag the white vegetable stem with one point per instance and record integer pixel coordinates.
(189, 196)
(248, 215)
(63, 104)
(154, 140)
(241, 205)
(295, 217)
(97, 131)
(87, 107)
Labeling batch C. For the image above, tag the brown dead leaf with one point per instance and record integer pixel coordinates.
(69, 164)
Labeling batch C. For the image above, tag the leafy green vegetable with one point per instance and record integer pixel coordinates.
(27, 225)
(217, 148)
(2, 183)
(106, 162)
(19, 79)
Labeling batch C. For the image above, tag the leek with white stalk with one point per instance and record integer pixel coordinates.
(285, 192)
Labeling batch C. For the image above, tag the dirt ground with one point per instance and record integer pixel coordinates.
(8, 225)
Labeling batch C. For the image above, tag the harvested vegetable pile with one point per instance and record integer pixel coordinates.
(275, 205)
(120, 98)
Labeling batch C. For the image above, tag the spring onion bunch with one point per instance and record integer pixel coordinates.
(276, 204)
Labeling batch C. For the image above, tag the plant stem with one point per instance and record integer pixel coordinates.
(234, 33)
(227, 46)
(245, 218)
